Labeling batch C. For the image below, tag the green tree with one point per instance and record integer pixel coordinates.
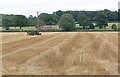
(101, 20)
(85, 22)
(20, 20)
(34, 22)
(67, 22)
(76, 15)
(59, 13)
(91, 26)
(111, 15)
(7, 21)
(0, 20)
(30, 20)
(47, 18)
(55, 19)
(119, 15)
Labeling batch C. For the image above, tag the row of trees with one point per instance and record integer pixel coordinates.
(67, 22)
(13, 20)
(83, 18)
(22, 21)
(112, 16)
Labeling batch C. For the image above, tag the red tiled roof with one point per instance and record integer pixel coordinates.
(48, 28)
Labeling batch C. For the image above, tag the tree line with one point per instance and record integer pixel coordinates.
(83, 18)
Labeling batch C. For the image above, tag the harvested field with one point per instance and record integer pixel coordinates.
(60, 53)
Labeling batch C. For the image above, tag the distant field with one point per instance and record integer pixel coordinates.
(1, 28)
(17, 28)
(33, 27)
(110, 25)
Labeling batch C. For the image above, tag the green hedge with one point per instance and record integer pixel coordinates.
(77, 30)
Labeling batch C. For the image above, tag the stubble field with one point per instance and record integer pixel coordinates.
(60, 53)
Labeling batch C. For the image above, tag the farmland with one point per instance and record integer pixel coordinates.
(60, 53)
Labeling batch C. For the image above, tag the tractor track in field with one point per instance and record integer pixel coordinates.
(25, 44)
(35, 51)
(62, 54)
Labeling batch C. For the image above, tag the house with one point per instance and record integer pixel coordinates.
(48, 27)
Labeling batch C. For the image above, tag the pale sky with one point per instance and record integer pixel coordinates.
(29, 7)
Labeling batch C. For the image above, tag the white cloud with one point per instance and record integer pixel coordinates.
(28, 7)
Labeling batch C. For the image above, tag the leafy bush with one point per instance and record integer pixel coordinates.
(114, 26)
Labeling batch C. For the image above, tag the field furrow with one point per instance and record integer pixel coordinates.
(72, 53)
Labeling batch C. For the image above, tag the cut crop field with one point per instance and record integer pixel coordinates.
(60, 53)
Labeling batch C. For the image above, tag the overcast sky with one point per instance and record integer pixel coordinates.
(29, 7)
